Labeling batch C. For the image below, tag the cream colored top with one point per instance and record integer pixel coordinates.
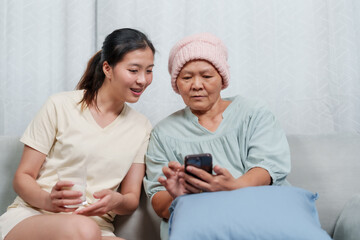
(71, 137)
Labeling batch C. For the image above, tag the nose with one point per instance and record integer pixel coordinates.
(141, 80)
(197, 83)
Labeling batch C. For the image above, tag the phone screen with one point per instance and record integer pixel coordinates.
(203, 161)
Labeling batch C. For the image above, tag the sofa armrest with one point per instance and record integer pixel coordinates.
(328, 165)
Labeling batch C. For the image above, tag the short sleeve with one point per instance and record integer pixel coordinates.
(267, 146)
(156, 159)
(140, 156)
(41, 132)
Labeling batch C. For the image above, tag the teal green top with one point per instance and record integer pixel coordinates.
(249, 136)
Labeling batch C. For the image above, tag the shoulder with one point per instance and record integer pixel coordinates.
(248, 106)
(63, 100)
(70, 96)
(172, 122)
(136, 117)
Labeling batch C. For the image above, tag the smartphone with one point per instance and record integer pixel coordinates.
(203, 161)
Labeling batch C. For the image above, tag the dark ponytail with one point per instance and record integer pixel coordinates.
(91, 80)
(115, 47)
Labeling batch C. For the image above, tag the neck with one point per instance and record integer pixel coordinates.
(211, 119)
(215, 110)
(106, 103)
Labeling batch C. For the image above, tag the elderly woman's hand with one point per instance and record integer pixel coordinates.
(222, 181)
(173, 183)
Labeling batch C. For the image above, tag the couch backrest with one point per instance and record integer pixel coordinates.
(326, 164)
(10, 155)
(330, 166)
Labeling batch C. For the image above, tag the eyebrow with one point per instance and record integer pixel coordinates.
(202, 71)
(139, 65)
(208, 70)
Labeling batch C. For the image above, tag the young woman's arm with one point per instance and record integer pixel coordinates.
(123, 202)
(24, 180)
(26, 187)
(130, 189)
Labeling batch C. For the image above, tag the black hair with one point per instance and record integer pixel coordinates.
(115, 46)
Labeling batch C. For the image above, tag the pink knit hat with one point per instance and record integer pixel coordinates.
(203, 46)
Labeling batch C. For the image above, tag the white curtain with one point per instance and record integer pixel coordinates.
(302, 57)
(44, 48)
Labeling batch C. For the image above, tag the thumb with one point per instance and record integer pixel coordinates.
(219, 170)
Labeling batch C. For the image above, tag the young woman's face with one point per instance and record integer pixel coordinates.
(199, 85)
(129, 78)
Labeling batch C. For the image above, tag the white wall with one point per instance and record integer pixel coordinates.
(301, 56)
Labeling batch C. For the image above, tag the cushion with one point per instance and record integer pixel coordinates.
(348, 225)
(265, 212)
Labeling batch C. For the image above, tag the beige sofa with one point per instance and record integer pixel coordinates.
(326, 164)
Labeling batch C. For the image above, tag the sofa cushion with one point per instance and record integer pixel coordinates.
(266, 212)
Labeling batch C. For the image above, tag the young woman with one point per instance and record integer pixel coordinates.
(91, 126)
(247, 144)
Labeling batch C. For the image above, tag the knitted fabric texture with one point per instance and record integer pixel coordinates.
(203, 46)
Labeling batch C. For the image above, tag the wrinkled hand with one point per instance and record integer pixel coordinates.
(108, 200)
(173, 183)
(61, 196)
(222, 181)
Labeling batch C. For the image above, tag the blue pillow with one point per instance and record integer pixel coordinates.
(266, 212)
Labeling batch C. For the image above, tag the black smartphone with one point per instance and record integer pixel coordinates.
(203, 161)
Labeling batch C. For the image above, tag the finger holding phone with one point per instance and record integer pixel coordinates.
(199, 178)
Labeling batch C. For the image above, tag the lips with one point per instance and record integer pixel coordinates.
(137, 90)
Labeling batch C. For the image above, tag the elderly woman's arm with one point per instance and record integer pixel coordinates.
(256, 176)
(223, 180)
(161, 202)
(162, 182)
(174, 185)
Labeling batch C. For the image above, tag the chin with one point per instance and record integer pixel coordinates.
(198, 108)
(132, 99)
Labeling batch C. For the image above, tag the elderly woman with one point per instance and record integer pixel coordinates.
(248, 146)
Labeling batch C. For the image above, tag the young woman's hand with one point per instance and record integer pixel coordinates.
(108, 200)
(173, 183)
(60, 197)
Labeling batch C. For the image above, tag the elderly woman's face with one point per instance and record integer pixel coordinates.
(199, 85)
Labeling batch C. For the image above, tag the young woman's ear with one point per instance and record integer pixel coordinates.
(107, 69)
